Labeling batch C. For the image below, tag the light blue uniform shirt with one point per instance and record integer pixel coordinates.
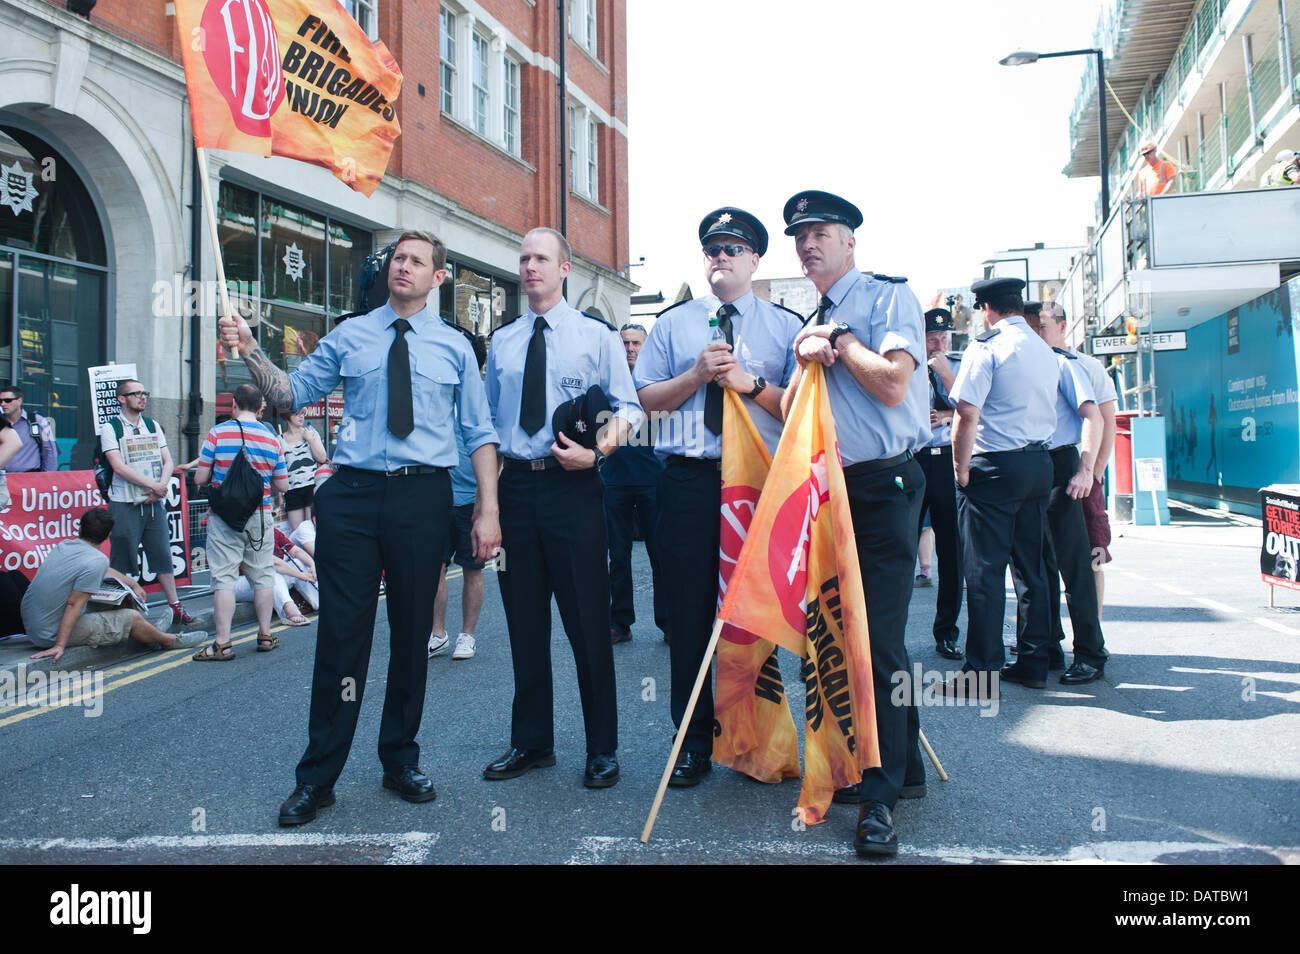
(463, 485)
(444, 378)
(580, 352)
(763, 342)
(884, 316)
(1012, 378)
(1074, 391)
(941, 436)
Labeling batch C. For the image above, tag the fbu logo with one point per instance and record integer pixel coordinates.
(246, 64)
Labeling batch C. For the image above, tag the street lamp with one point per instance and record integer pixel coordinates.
(1025, 57)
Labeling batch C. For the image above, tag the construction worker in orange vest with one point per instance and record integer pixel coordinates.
(1156, 175)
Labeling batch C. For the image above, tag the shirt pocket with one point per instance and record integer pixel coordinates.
(433, 387)
(361, 383)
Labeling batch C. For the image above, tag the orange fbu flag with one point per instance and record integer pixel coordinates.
(756, 733)
(797, 584)
(294, 78)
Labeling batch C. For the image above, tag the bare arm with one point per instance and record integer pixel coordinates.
(486, 533)
(887, 376)
(10, 444)
(237, 338)
(317, 448)
(1107, 439)
(964, 427)
(669, 395)
(130, 584)
(71, 613)
(742, 382)
(1080, 484)
(202, 474)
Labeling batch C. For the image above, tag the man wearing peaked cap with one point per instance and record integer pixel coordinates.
(940, 497)
(681, 374)
(1005, 399)
(870, 335)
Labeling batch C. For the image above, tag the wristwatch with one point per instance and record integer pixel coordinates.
(840, 329)
(600, 458)
(759, 385)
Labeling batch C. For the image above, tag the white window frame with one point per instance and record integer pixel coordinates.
(583, 25)
(366, 13)
(447, 67)
(584, 152)
(480, 83)
(574, 177)
(593, 158)
(512, 94)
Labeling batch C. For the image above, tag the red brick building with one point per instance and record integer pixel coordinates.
(102, 259)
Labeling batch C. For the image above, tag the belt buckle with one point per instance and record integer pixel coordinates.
(539, 464)
(936, 451)
(396, 473)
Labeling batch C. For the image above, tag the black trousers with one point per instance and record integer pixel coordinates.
(1067, 557)
(625, 509)
(690, 508)
(368, 523)
(941, 503)
(885, 518)
(553, 535)
(1002, 512)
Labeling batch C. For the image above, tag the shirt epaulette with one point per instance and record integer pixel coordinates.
(989, 335)
(508, 321)
(607, 324)
(953, 355)
(896, 279)
(455, 327)
(1069, 354)
(671, 307)
(800, 317)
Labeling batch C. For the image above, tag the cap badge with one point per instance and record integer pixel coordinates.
(801, 205)
(724, 218)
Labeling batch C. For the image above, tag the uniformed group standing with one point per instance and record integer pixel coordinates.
(970, 440)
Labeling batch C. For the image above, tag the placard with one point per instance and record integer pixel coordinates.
(1279, 559)
(1150, 473)
(103, 390)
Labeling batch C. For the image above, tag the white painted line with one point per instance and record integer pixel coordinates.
(1276, 627)
(1173, 589)
(1216, 605)
(1138, 685)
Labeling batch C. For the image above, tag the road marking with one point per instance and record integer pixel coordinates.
(1277, 627)
(1173, 589)
(1216, 605)
(1139, 685)
(411, 847)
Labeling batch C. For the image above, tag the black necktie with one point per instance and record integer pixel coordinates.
(532, 409)
(823, 306)
(713, 392)
(940, 401)
(401, 415)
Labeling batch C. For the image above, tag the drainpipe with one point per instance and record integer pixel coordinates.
(191, 429)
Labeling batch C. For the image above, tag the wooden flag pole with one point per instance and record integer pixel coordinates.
(681, 730)
(211, 216)
(938, 766)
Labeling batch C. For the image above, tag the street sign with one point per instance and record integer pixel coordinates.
(1118, 344)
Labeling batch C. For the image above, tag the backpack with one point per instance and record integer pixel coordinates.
(372, 283)
(99, 460)
(240, 495)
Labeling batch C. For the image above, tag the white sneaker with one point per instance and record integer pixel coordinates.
(190, 640)
(464, 647)
(437, 644)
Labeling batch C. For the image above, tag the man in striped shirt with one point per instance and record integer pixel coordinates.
(251, 544)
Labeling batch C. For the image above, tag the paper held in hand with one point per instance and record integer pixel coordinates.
(113, 593)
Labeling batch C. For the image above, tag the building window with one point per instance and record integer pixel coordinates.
(365, 12)
(582, 24)
(573, 149)
(511, 111)
(480, 84)
(447, 53)
(593, 160)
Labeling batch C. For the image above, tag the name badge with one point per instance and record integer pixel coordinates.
(571, 383)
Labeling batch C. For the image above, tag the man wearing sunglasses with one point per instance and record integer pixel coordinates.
(39, 452)
(136, 448)
(683, 372)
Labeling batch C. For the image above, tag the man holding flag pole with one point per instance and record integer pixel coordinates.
(682, 373)
(869, 335)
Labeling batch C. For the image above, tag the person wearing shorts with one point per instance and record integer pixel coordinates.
(460, 548)
(252, 545)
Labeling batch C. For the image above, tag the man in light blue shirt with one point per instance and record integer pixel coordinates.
(681, 374)
(408, 379)
(552, 517)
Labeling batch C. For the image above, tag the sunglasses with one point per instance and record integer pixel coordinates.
(135, 394)
(8, 400)
(713, 251)
(632, 327)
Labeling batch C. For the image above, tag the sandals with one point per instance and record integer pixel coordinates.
(217, 652)
(296, 620)
(267, 642)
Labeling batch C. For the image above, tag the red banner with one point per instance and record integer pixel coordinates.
(45, 509)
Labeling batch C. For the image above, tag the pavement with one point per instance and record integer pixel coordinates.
(1187, 751)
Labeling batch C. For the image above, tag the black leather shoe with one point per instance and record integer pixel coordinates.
(1018, 674)
(849, 795)
(947, 648)
(602, 771)
(518, 761)
(1081, 672)
(690, 768)
(301, 807)
(874, 837)
(412, 784)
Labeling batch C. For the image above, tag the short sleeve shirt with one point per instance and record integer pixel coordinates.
(261, 447)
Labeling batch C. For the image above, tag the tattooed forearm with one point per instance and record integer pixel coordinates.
(273, 382)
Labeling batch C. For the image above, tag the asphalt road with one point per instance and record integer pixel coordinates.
(1186, 752)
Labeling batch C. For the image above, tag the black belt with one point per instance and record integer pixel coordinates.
(871, 466)
(1028, 448)
(410, 471)
(699, 463)
(541, 463)
(937, 450)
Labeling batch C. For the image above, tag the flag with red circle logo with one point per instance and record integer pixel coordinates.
(796, 584)
(293, 78)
